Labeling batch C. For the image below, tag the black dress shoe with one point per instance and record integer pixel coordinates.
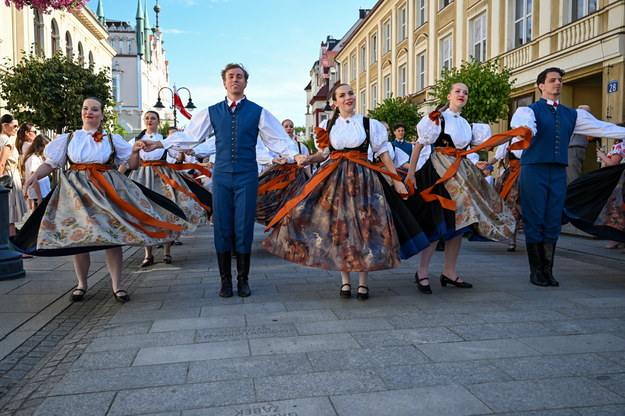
(148, 261)
(346, 293)
(363, 296)
(425, 289)
(77, 297)
(445, 280)
(122, 296)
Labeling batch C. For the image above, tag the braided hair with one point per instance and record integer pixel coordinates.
(336, 113)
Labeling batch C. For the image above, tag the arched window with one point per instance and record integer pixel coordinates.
(91, 61)
(81, 54)
(38, 29)
(55, 40)
(69, 49)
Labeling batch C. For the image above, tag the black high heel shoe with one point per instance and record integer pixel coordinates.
(445, 280)
(363, 296)
(346, 293)
(425, 289)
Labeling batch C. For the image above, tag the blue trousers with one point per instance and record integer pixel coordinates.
(234, 210)
(543, 192)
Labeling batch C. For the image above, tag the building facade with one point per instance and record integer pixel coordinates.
(77, 34)
(401, 47)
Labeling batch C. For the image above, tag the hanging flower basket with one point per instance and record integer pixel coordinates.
(47, 6)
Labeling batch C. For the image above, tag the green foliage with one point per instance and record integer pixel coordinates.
(310, 144)
(489, 89)
(299, 130)
(49, 92)
(398, 110)
(164, 128)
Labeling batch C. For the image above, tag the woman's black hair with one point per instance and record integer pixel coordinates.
(7, 118)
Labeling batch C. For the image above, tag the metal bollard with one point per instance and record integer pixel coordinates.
(11, 264)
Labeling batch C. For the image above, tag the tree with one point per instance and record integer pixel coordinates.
(300, 129)
(397, 110)
(49, 92)
(489, 89)
(46, 6)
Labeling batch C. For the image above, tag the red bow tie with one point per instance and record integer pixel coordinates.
(233, 104)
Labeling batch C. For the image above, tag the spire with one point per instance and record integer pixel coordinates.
(100, 13)
(140, 29)
(147, 30)
(157, 10)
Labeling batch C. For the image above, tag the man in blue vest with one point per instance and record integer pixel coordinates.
(237, 123)
(399, 130)
(543, 168)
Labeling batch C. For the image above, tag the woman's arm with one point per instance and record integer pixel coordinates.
(4, 156)
(414, 158)
(42, 171)
(390, 166)
(135, 158)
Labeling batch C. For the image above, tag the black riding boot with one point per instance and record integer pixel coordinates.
(225, 272)
(548, 253)
(243, 269)
(535, 259)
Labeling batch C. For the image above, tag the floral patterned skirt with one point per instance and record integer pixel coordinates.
(345, 223)
(77, 217)
(595, 203)
(513, 199)
(480, 215)
(147, 176)
(268, 203)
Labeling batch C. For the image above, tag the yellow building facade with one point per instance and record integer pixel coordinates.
(401, 47)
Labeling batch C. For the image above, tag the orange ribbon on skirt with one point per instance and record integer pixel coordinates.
(95, 175)
(283, 180)
(353, 155)
(511, 179)
(173, 183)
(523, 132)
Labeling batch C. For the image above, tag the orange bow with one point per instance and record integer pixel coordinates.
(98, 136)
(511, 179)
(323, 138)
(434, 116)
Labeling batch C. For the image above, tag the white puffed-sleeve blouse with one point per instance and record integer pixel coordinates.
(83, 149)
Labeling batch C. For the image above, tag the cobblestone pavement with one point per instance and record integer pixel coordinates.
(295, 348)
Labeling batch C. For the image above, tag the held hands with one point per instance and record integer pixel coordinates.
(301, 160)
(279, 161)
(149, 145)
(139, 145)
(28, 184)
(401, 189)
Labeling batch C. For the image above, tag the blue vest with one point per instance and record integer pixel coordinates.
(236, 135)
(405, 146)
(554, 129)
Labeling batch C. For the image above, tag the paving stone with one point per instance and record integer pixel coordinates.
(431, 401)
(615, 410)
(131, 316)
(191, 352)
(543, 394)
(291, 317)
(246, 308)
(246, 332)
(141, 340)
(501, 330)
(571, 344)
(301, 407)
(522, 316)
(349, 326)
(405, 337)
(420, 320)
(476, 350)
(366, 358)
(413, 376)
(81, 404)
(614, 382)
(120, 379)
(248, 367)
(134, 328)
(587, 326)
(165, 325)
(182, 397)
(305, 343)
(317, 384)
(105, 359)
(557, 366)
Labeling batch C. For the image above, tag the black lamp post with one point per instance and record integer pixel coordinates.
(159, 104)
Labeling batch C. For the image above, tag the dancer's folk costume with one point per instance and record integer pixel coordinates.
(348, 217)
(237, 123)
(94, 206)
(507, 184)
(543, 169)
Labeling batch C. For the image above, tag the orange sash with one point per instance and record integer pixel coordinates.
(96, 177)
(173, 183)
(511, 179)
(523, 132)
(353, 155)
(281, 181)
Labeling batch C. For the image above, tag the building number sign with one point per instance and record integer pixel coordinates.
(612, 86)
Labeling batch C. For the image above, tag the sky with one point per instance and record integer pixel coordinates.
(276, 40)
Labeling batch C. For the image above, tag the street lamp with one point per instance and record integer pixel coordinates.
(159, 104)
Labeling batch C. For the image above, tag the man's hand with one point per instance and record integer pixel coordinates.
(279, 161)
(149, 145)
(139, 145)
(301, 160)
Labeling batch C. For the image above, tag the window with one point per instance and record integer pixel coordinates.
(478, 38)
(401, 24)
(363, 58)
(421, 71)
(421, 7)
(69, 48)
(81, 54)
(443, 3)
(373, 47)
(374, 96)
(446, 53)
(38, 29)
(387, 36)
(55, 39)
(387, 87)
(581, 8)
(522, 22)
(91, 60)
(363, 103)
(401, 81)
(354, 70)
(345, 73)
(115, 87)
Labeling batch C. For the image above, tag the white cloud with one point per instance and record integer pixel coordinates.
(175, 31)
